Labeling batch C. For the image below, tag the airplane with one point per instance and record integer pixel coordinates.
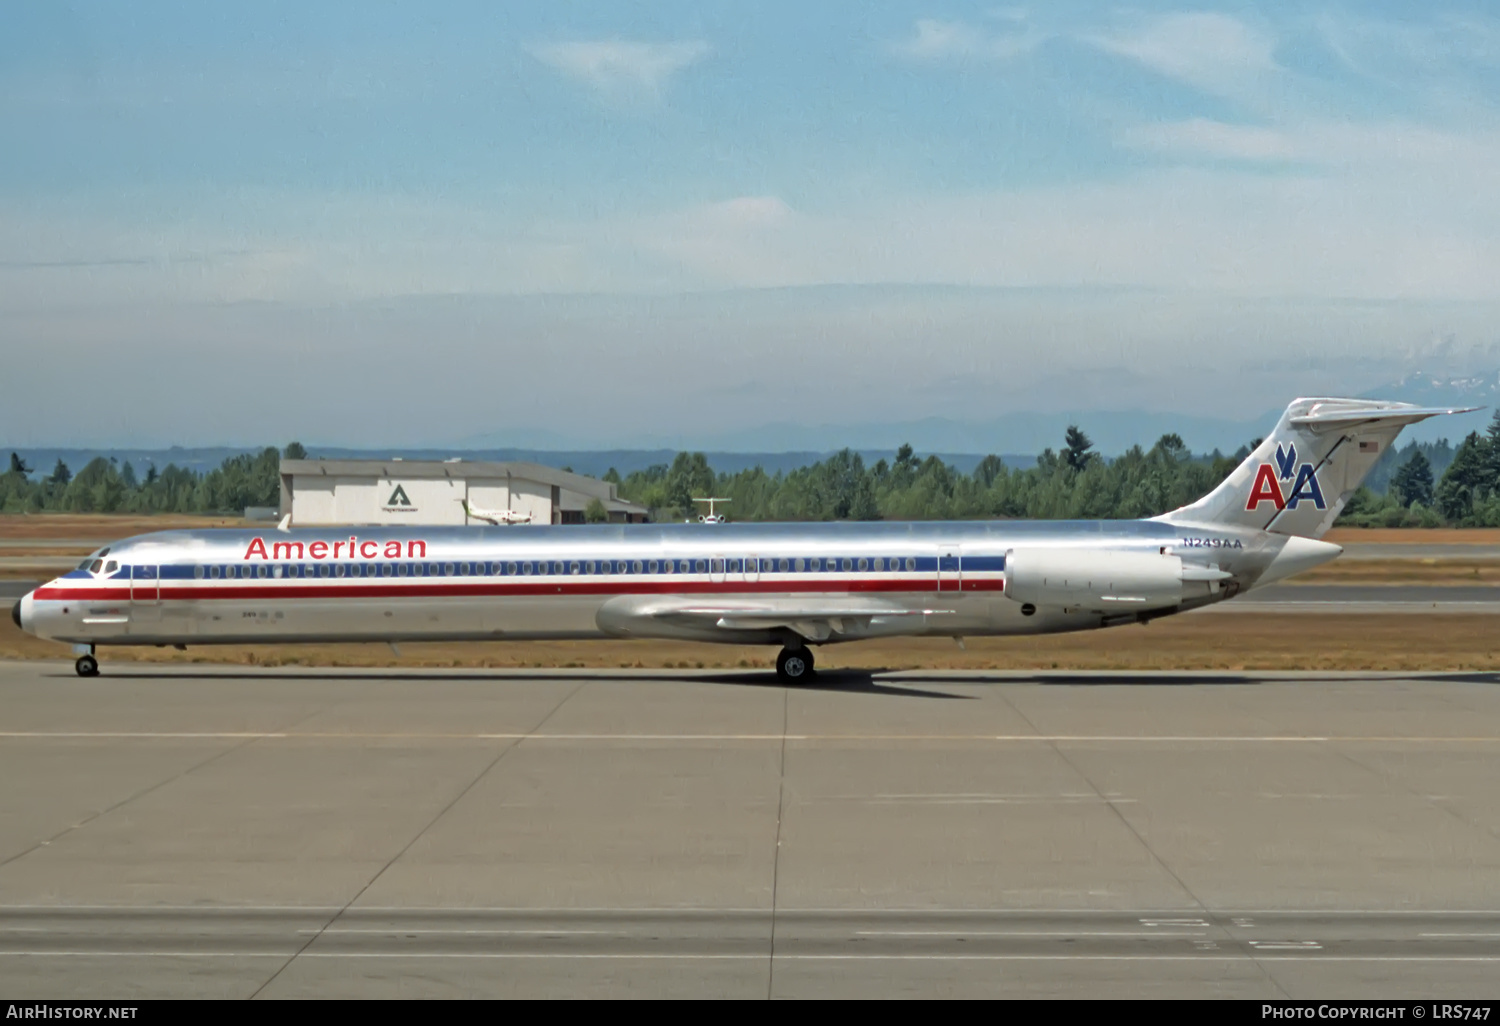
(794, 585)
(494, 516)
(712, 517)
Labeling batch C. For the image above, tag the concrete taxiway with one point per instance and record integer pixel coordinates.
(220, 831)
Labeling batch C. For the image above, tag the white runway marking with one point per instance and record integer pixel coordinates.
(777, 738)
(463, 933)
(1025, 933)
(701, 957)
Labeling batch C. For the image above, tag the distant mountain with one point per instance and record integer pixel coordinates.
(1018, 437)
(594, 463)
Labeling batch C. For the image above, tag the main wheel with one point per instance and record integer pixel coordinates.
(794, 665)
(87, 666)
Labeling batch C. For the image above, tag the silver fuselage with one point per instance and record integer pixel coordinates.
(486, 583)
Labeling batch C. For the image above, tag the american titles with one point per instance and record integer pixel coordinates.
(353, 548)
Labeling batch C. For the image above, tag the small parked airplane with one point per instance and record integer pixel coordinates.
(494, 516)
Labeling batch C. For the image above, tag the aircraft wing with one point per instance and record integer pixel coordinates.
(815, 620)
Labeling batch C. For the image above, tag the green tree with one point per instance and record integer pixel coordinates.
(61, 475)
(18, 465)
(1413, 482)
(294, 451)
(689, 478)
(1077, 454)
(595, 513)
(1464, 480)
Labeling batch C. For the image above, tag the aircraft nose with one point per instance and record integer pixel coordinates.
(20, 613)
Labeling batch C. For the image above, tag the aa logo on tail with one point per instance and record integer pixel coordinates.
(1268, 486)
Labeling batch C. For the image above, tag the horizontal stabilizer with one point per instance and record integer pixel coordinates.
(1326, 418)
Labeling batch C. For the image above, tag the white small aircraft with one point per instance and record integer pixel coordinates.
(494, 516)
(712, 518)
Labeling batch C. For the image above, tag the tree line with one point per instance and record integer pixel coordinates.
(1424, 484)
(104, 486)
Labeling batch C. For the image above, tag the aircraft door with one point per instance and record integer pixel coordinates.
(145, 586)
(145, 598)
(950, 575)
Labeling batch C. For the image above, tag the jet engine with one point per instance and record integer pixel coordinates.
(1098, 580)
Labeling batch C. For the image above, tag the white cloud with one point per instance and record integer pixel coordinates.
(934, 40)
(1214, 52)
(619, 68)
(1202, 137)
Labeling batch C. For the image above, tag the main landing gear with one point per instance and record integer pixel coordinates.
(87, 665)
(794, 666)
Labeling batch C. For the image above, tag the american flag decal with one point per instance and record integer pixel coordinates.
(1369, 446)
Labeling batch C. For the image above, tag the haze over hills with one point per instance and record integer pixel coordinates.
(1017, 437)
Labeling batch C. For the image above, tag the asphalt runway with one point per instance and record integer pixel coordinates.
(218, 831)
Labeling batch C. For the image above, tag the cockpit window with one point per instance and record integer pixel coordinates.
(95, 565)
(111, 567)
(85, 564)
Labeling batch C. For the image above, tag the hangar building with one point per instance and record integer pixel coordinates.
(395, 491)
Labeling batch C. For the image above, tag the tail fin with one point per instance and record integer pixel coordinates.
(1298, 480)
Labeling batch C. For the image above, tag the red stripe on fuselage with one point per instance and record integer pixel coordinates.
(298, 589)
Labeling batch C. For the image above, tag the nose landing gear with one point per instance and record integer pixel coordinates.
(794, 666)
(87, 666)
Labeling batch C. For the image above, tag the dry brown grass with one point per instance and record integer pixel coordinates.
(100, 527)
(1414, 536)
(1376, 572)
(1247, 641)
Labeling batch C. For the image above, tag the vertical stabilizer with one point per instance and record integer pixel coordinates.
(1299, 479)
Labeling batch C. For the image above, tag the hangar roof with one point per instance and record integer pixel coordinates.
(469, 470)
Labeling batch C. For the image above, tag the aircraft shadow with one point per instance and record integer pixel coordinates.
(851, 681)
(1077, 680)
(1474, 677)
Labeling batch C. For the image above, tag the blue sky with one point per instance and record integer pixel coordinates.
(612, 224)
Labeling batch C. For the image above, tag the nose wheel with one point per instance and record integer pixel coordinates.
(794, 665)
(87, 666)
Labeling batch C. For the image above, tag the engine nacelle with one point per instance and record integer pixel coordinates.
(1094, 579)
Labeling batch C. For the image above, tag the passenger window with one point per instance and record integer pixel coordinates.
(668, 566)
(400, 569)
(198, 572)
(801, 565)
(574, 567)
(653, 566)
(338, 570)
(702, 566)
(385, 570)
(879, 563)
(783, 565)
(324, 570)
(276, 570)
(911, 564)
(848, 564)
(512, 569)
(588, 566)
(718, 566)
(447, 569)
